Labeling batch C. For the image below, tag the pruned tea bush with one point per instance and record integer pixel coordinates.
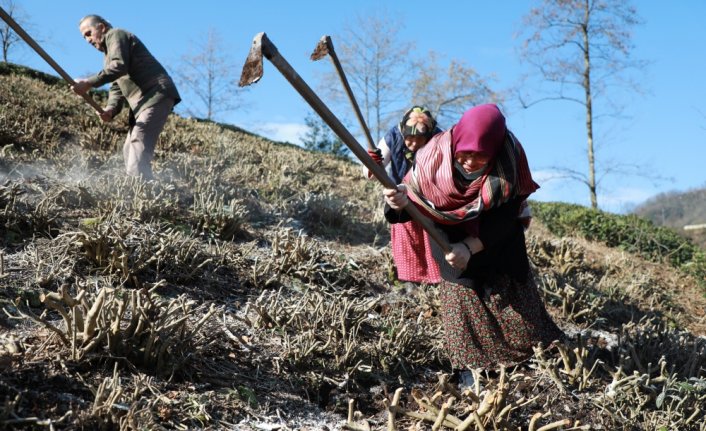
(151, 332)
(628, 232)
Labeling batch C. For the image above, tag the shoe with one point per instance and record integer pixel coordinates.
(466, 380)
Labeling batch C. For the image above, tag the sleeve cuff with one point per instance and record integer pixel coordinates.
(97, 80)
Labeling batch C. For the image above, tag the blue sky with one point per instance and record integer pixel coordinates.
(663, 130)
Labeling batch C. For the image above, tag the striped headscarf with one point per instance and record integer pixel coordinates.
(436, 186)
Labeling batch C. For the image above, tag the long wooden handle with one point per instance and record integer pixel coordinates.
(349, 92)
(31, 42)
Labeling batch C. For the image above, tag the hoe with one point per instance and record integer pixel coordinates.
(252, 72)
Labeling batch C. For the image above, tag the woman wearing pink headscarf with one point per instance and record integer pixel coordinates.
(473, 181)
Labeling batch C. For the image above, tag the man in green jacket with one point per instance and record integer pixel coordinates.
(137, 78)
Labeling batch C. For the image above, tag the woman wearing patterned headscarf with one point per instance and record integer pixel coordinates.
(473, 181)
(410, 243)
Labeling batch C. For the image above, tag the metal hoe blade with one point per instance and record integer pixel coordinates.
(252, 69)
(321, 49)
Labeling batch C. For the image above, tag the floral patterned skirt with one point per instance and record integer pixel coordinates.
(499, 328)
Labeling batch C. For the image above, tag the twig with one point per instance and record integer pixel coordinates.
(30, 315)
(425, 417)
(350, 425)
(427, 405)
(232, 336)
(89, 328)
(533, 421)
(35, 420)
(557, 424)
(442, 414)
(392, 408)
(351, 407)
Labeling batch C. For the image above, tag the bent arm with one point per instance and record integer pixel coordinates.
(117, 56)
(115, 99)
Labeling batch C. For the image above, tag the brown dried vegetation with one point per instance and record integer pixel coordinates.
(248, 288)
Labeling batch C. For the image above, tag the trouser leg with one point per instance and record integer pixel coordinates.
(141, 141)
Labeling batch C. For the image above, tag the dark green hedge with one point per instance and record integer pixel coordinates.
(628, 232)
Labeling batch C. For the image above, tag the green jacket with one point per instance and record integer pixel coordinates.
(136, 76)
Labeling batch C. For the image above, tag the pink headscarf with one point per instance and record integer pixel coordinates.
(481, 129)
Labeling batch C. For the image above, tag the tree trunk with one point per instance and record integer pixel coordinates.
(210, 96)
(6, 35)
(378, 116)
(589, 112)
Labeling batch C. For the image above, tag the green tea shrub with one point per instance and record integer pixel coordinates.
(627, 232)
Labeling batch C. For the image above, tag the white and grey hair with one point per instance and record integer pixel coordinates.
(95, 19)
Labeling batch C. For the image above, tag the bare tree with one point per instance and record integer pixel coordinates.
(375, 61)
(449, 91)
(8, 38)
(207, 73)
(582, 48)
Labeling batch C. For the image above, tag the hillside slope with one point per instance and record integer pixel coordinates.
(250, 287)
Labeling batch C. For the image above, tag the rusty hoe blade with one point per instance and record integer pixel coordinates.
(252, 72)
(252, 69)
(322, 48)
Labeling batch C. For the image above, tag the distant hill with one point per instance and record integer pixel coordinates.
(676, 210)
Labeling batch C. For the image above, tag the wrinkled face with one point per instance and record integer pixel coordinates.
(471, 161)
(415, 142)
(93, 34)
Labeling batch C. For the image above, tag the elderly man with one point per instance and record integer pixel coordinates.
(137, 78)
